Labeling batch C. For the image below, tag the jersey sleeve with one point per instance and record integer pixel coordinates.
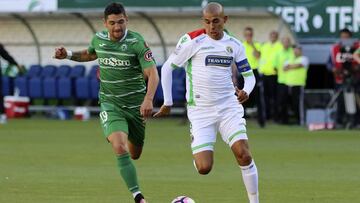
(144, 55)
(241, 61)
(166, 74)
(182, 53)
(91, 48)
(244, 68)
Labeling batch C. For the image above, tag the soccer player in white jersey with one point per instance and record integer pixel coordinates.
(212, 105)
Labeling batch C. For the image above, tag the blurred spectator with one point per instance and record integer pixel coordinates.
(296, 74)
(5, 55)
(356, 56)
(343, 67)
(267, 69)
(285, 54)
(252, 51)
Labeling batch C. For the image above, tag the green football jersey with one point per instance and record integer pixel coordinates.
(121, 68)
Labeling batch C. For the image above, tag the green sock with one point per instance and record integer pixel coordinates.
(128, 172)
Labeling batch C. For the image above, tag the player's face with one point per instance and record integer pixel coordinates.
(116, 25)
(214, 25)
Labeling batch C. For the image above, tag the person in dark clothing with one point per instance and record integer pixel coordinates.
(6, 56)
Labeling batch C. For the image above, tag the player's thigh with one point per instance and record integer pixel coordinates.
(232, 125)
(112, 120)
(136, 125)
(202, 129)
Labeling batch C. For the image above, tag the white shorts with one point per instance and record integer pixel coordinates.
(205, 122)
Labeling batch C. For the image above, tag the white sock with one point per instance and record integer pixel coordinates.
(136, 193)
(250, 178)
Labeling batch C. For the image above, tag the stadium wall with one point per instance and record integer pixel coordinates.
(22, 33)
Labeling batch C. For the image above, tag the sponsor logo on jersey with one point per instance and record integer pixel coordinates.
(206, 48)
(214, 60)
(102, 45)
(148, 55)
(199, 39)
(114, 62)
(131, 40)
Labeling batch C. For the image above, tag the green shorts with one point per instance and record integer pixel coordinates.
(129, 121)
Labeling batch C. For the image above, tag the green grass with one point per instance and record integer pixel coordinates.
(45, 161)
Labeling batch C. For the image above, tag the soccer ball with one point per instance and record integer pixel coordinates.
(183, 199)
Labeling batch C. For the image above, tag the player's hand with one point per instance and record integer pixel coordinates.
(146, 108)
(60, 53)
(242, 96)
(164, 111)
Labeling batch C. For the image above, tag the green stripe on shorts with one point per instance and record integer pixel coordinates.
(237, 133)
(203, 145)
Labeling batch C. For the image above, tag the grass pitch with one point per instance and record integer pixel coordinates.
(46, 161)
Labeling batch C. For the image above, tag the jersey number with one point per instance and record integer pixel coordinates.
(103, 116)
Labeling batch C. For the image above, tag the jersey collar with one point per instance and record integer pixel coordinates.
(126, 31)
(225, 37)
(122, 39)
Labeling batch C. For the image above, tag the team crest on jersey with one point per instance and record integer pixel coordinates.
(184, 39)
(123, 47)
(215, 60)
(148, 56)
(229, 50)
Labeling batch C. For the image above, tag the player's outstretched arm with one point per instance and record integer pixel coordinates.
(166, 84)
(80, 56)
(153, 81)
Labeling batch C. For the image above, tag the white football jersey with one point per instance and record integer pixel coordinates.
(208, 66)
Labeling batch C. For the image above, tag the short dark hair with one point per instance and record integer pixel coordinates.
(248, 28)
(347, 31)
(114, 8)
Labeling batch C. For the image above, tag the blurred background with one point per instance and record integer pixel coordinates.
(31, 29)
(303, 129)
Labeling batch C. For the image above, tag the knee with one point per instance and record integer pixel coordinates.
(120, 148)
(203, 168)
(244, 158)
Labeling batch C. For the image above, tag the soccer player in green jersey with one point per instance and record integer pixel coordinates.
(125, 61)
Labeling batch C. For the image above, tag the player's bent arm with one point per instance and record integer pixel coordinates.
(153, 80)
(82, 56)
(249, 78)
(249, 81)
(234, 76)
